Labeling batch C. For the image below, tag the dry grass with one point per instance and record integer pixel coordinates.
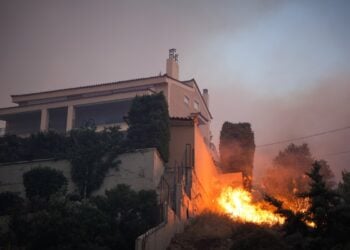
(212, 231)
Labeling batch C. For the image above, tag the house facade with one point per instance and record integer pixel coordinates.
(186, 184)
(105, 104)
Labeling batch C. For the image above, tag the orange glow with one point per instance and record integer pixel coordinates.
(237, 203)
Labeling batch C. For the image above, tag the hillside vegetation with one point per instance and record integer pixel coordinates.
(214, 231)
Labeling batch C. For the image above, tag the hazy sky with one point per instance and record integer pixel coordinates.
(284, 66)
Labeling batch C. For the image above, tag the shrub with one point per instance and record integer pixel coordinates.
(149, 124)
(66, 225)
(10, 148)
(251, 236)
(43, 182)
(41, 145)
(134, 212)
(9, 202)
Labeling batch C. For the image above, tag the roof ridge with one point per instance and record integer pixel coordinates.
(89, 86)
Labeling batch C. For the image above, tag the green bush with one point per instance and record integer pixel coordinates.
(42, 182)
(11, 148)
(9, 202)
(106, 222)
(149, 124)
(64, 224)
(41, 145)
(134, 212)
(91, 154)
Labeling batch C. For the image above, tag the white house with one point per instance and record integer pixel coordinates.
(105, 104)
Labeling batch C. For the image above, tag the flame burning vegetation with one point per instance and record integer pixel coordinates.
(237, 203)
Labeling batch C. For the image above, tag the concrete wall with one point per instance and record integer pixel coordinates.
(178, 108)
(202, 180)
(141, 170)
(11, 174)
(204, 166)
(159, 237)
(182, 134)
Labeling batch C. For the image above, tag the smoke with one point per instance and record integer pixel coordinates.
(321, 107)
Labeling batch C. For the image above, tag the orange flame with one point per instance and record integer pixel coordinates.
(237, 203)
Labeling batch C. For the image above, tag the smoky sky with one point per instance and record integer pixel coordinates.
(283, 66)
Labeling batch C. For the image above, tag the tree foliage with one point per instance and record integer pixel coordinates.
(287, 177)
(149, 124)
(322, 200)
(344, 187)
(135, 212)
(42, 182)
(9, 203)
(299, 159)
(113, 221)
(237, 149)
(42, 145)
(328, 212)
(91, 154)
(65, 225)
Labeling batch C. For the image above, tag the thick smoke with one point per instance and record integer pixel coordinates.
(322, 107)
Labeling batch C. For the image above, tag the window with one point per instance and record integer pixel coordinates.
(186, 100)
(196, 105)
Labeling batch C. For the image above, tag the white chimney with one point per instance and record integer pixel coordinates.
(206, 96)
(172, 66)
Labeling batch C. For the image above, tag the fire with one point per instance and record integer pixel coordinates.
(237, 203)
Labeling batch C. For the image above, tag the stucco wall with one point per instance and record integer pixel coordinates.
(182, 134)
(141, 170)
(178, 108)
(205, 167)
(11, 174)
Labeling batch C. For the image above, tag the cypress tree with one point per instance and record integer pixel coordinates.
(149, 124)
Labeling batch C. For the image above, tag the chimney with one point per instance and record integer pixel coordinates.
(206, 96)
(172, 66)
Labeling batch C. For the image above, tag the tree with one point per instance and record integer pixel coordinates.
(327, 216)
(9, 203)
(113, 221)
(64, 224)
(287, 177)
(294, 221)
(42, 182)
(10, 148)
(344, 187)
(322, 199)
(91, 154)
(134, 212)
(300, 160)
(148, 120)
(237, 149)
(293, 156)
